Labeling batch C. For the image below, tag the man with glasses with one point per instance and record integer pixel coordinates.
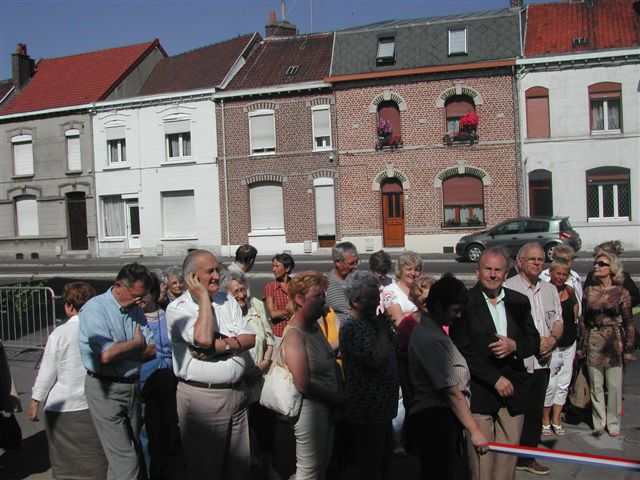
(114, 340)
(345, 261)
(547, 317)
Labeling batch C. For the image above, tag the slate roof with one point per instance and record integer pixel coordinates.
(204, 67)
(5, 87)
(551, 27)
(491, 35)
(268, 63)
(77, 79)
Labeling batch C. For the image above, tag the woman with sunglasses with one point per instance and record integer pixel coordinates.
(615, 248)
(607, 341)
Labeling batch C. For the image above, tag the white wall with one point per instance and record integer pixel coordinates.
(148, 173)
(572, 149)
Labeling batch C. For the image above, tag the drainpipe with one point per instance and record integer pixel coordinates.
(96, 200)
(517, 140)
(226, 187)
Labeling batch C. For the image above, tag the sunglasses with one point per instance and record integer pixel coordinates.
(600, 264)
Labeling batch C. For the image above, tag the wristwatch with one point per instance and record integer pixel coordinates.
(227, 347)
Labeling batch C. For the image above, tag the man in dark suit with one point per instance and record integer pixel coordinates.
(496, 332)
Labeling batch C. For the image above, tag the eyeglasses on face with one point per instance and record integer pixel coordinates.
(135, 297)
(600, 264)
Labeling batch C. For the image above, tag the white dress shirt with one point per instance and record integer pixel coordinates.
(182, 314)
(61, 376)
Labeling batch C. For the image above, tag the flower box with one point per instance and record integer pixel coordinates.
(460, 138)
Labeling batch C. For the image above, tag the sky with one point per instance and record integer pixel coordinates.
(57, 28)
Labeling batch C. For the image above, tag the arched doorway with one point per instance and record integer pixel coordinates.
(392, 213)
(540, 194)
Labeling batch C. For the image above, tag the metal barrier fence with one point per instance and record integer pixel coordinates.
(27, 316)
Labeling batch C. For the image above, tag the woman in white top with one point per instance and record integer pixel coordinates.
(74, 447)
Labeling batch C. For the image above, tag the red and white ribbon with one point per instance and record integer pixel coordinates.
(570, 457)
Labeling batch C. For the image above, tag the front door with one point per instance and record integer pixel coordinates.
(77, 221)
(133, 224)
(392, 214)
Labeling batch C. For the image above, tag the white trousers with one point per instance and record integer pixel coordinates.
(560, 379)
(314, 439)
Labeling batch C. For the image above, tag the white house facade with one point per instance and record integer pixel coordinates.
(580, 118)
(156, 176)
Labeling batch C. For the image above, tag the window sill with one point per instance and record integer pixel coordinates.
(179, 161)
(608, 219)
(178, 239)
(458, 54)
(267, 233)
(262, 154)
(73, 172)
(323, 149)
(122, 166)
(112, 239)
(23, 176)
(606, 132)
(463, 227)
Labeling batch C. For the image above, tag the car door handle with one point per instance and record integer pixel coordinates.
(539, 236)
(514, 238)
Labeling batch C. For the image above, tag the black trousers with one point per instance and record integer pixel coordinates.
(532, 428)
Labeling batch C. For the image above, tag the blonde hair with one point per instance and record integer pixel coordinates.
(562, 251)
(408, 258)
(559, 263)
(303, 282)
(423, 283)
(615, 265)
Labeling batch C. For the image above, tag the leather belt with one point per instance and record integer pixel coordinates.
(109, 378)
(211, 386)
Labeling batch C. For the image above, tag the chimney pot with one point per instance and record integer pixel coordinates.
(272, 17)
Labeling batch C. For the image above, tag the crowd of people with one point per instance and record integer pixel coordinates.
(177, 359)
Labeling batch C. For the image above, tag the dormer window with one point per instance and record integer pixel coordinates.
(458, 41)
(292, 70)
(579, 41)
(386, 50)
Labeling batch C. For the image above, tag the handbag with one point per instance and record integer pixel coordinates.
(10, 432)
(278, 392)
(579, 396)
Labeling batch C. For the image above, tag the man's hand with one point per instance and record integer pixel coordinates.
(547, 344)
(504, 387)
(479, 442)
(32, 413)
(138, 338)
(503, 347)
(195, 288)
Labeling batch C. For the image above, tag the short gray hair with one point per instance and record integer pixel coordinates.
(408, 258)
(192, 261)
(174, 271)
(528, 246)
(359, 284)
(160, 275)
(563, 250)
(499, 252)
(230, 275)
(337, 252)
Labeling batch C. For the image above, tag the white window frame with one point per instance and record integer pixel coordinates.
(257, 214)
(181, 146)
(267, 150)
(605, 113)
(29, 206)
(188, 215)
(325, 212)
(121, 149)
(74, 154)
(329, 146)
(616, 216)
(19, 147)
(381, 57)
(457, 30)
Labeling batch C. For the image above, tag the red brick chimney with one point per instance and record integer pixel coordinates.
(280, 28)
(22, 66)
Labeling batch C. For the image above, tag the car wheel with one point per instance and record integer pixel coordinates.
(548, 251)
(474, 252)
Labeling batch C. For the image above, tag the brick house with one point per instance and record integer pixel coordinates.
(276, 137)
(47, 195)
(155, 162)
(414, 170)
(580, 113)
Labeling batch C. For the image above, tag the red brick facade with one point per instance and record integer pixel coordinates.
(423, 157)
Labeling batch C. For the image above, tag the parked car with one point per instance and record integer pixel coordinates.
(513, 234)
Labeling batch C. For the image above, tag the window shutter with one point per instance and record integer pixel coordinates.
(115, 133)
(538, 117)
(262, 131)
(322, 123)
(391, 113)
(74, 162)
(179, 126)
(325, 209)
(459, 105)
(178, 214)
(457, 41)
(462, 190)
(386, 49)
(27, 215)
(22, 155)
(267, 208)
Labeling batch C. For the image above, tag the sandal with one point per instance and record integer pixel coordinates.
(546, 430)
(614, 434)
(558, 430)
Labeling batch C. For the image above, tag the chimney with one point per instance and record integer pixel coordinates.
(515, 4)
(280, 28)
(22, 66)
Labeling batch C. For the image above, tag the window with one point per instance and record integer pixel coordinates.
(537, 103)
(536, 226)
(321, 117)
(455, 107)
(292, 70)
(325, 207)
(510, 228)
(267, 208)
(540, 193)
(116, 145)
(177, 139)
(113, 216)
(458, 41)
(463, 201)
(26, 215)
(390, 112)
(22, 155)
(74, 163)
(178, 214)
(386, 50)
(608, 193)
(606, 115)
(262, 132)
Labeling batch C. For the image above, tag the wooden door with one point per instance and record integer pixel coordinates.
(393, 214)
(77, 221)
